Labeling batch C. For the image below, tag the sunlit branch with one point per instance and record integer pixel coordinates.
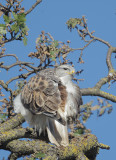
(101, 82)
(108, 58)
(12, 123)
(97, 92)
(12, 55)
(18, 63)
(97, 38)
(33, 6)
(21, 76)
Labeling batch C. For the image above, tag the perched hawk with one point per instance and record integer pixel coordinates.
(49, 101)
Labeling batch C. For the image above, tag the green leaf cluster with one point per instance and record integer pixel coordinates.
(38, 156)
(86, 111)
(103, 109)
(17, 25)
(52, 55)
(79, 131)
(73, 22)
(3, 117)
(2, 29)
(7, 19)
(54, 45)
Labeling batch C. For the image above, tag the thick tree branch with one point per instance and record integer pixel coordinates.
(101, 82)
(82, 146)
(22, 148)
(96, 92)
(12, 123)
(7, 136)
(108, 58)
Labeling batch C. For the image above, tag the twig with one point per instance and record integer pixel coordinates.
(99, 39)
(23, 67)
(7, 40)
(24, 76)
(33, 6)
(13, 55)
(103, 146)
(18, 63)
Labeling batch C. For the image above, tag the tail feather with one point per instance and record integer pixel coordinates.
(57, 133)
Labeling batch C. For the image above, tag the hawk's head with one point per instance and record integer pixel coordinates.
(65, 70)
(65, 73)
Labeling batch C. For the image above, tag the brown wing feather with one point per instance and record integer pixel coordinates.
(63, 95)
(78, 96)
(42, 95)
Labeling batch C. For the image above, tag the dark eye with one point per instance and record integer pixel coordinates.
(65, 68)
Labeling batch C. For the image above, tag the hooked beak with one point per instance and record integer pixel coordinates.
(72, 72)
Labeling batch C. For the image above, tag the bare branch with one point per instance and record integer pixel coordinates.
(89, 42)
(5, 86)
(102, 146)
(33, 6)
(96, 92)
(13, 55)
(108, 58)
(96, 38)
(18, 63)
(24, 76)
(101, 82)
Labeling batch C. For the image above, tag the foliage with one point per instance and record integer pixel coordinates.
(73, 22)
(86, 111)
(101, 107)
(50, 50)
(14, 25)
(3, 117)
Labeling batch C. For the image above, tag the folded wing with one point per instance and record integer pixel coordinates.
(43, 95)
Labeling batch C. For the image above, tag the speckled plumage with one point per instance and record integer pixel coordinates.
(43, 95)
(49, 100)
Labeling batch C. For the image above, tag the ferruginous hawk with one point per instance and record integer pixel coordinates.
(49, 101)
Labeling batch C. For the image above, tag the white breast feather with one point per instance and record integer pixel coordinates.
(71, 108)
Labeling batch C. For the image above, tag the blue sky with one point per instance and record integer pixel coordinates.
(51, 16)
